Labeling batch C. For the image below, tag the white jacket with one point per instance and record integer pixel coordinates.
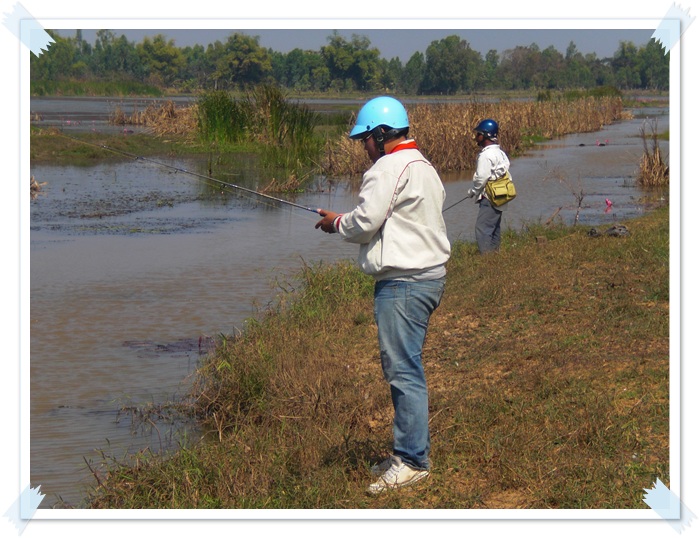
(492, 164)
(398, 222)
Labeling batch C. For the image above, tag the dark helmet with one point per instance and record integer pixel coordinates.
(488, 128)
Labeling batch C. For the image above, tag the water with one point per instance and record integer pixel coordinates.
(90, 113)
(133, 267)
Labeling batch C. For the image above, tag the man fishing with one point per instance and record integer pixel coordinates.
(492, 163)
(403, 244)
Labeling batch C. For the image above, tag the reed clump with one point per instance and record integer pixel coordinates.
(221, 118)
(653, 171)
(263, 116)
(163, 119)
(444, 131)
(282, 132)
(552, 392)
(287, 135)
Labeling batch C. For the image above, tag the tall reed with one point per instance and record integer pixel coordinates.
(653, 172)
(158, 119)
(444, 131)
(283, 131)
(222, 119)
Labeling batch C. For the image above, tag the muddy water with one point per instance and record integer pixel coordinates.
(134, 267)
(130, 267)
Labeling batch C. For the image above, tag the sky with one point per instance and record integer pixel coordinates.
(402, 43)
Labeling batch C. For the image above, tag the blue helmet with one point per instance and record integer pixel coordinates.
(385, 112)
(488, 128)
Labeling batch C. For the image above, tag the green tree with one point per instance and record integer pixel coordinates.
(520, 66)
(577, 70)
(451, 66)
(162, 60)
(81, 66)
(601, 70)
(295, 69)
(57, 62)
(413, 73)
(448, 66)
(195, 73)
(626, 65)
(490, 70)
(115, 57)
(278, 63)
(320, 78)
(551, 69)
(102, 57)
(654, 66)
(352, 64)
(316, 76)
(240, 62)
(391, 72)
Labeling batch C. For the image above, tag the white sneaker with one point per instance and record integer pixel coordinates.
(381, 468)
(396, 475)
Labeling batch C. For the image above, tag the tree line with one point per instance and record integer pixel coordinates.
(447, 67)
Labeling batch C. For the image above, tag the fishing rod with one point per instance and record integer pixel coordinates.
(185, 171)
(455, 203)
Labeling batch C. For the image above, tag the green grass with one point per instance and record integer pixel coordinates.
(548, 382)
(284, 132)
(84, 88)
(52, 146)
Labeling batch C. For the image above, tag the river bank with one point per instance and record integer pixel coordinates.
(549, 388)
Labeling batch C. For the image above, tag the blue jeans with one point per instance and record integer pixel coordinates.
(402, 311)
(488, 226)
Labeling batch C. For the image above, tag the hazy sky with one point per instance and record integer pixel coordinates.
(404, 43)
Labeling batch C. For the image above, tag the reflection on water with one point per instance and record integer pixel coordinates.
(131, 265)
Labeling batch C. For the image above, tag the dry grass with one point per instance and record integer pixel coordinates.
(35, 188)
(165, 119)
(653, 172)
(548, 384)
(444, 131)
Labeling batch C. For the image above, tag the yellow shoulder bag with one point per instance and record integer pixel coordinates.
(500, 191)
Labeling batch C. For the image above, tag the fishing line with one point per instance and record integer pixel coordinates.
(455, 203)
(207, 178)
(195, 174)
